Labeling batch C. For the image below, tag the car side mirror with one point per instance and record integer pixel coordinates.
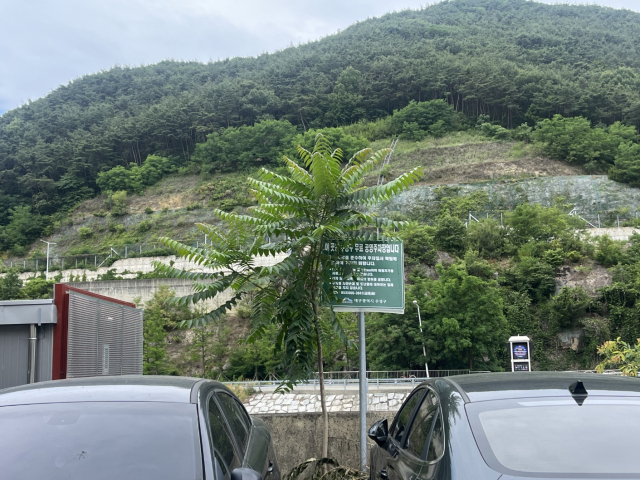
(245, 474)
(379, 432)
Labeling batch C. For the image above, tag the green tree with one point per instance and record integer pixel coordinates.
(450, 234)
(311, 215)
(160, 316)
(419, 244)
(533, 222)
(425, 115)
(348, 144)
(609, 252)
(256, 359)
(464, 318)
(486, 237)
(118, 202)
(246, 147)
(10, 286)
(573, 140)
(627, 165)
(37, 287)
(394, 342)
(117, 178)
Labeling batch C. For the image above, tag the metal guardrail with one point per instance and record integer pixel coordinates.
(346, 378)
(389, 374)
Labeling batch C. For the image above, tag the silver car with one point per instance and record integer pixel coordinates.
(131, 428)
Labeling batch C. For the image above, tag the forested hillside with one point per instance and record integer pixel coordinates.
(513, 61)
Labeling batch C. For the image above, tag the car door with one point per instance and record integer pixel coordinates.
(384, 460)
(424, 444)
(252, 436)
(416, 443)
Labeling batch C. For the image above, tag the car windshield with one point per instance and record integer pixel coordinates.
(109, 440)
(559, 436)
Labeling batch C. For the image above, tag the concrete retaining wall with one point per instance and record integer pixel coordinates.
(128, 290)
(143, 265)
(298, 436)
(622, 233)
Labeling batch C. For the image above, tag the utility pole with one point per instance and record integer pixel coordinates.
(48, 244)
(424, 351)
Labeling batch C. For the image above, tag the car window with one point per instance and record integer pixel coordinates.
(436, 443)
(403, 417)
(237, 417)
(560, 436)
(221, 468)
(221, 439)
(423, 425)
(100, 441)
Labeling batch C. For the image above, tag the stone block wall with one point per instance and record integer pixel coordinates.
(298, 436)
(263, 403)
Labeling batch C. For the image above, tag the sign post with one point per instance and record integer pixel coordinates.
(520, 353)
(378, 287)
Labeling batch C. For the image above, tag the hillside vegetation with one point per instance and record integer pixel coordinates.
(173, 205)
(502, 61)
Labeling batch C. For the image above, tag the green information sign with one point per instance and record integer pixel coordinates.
(379, 272)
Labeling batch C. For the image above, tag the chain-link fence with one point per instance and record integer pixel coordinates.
(90, 260)
(629, 217)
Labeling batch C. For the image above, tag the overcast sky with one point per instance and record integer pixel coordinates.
(46, 43)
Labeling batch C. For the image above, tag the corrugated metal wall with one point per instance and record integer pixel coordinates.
(44, 355)
(105, 338)
(14, 355)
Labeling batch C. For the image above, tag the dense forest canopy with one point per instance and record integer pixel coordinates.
(513, 60)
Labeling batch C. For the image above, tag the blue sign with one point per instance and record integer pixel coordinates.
(520, 351)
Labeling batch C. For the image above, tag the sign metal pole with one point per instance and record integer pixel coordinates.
(363, 392)
(377, 286)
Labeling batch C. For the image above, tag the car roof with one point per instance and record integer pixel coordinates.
(496, 386)
(123, 388)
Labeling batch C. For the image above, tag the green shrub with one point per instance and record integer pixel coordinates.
(148, 211)
(120, 228)
(486, 237)
(627, 165)
(575, 141)
(426, 114)
(419, 245)
(193, 206)
(438, 129)
(119, 206)
(450, 234)
(336, 136)
(522, 133)
(144, 226)
(85, 232)
(137, 177)
(412, 131)
(574, 256)
(533, 277)
(609, 252)
(245, 147)
(569, 306)
(100, 214)
(111, 226)
(554, 257)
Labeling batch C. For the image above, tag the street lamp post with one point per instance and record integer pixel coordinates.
(48, 244)
(424, 351)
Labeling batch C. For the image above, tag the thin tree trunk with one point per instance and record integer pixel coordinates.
(323, 403)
